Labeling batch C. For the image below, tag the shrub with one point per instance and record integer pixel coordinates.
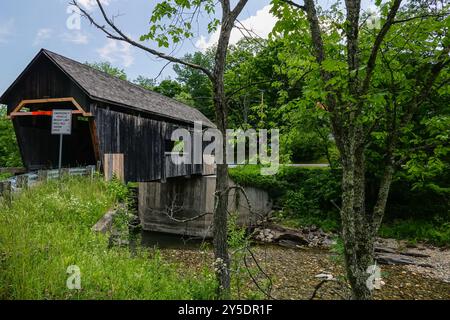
(418, 230)
(306, 194)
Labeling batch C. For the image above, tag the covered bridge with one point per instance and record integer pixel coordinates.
(110, 116)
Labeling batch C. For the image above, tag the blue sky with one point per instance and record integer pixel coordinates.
(26, 26)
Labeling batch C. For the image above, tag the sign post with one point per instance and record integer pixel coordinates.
(61, 125)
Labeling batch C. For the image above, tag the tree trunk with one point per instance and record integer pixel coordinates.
(356, 228)
(220, 220)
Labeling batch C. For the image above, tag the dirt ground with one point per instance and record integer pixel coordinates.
(293, 274)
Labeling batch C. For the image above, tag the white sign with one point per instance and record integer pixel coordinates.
(62, 122)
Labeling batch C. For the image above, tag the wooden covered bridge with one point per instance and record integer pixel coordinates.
(113, 118)
(110, 116)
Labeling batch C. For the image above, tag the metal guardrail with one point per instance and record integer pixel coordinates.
(24, 181)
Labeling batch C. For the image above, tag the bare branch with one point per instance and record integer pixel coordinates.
(238, 9)
(117, 34)
(292, 3)
(377, 44)
(174, 209)
(424, 16)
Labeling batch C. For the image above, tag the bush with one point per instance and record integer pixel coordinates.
(306, 194)
(48, 228)
(9, 149)
(250, 175)
(305, 147)
(309, 196)
(418, 230)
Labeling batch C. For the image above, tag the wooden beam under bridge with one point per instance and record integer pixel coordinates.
(16, 112)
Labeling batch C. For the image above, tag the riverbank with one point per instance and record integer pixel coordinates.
(293, 273)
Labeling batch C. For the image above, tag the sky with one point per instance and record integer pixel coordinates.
(26, 26)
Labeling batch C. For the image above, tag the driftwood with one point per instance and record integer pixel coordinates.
(397, 259)
(403, 253)
(391, 256)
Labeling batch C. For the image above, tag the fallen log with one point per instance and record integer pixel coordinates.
(395, 259)
(403, 253)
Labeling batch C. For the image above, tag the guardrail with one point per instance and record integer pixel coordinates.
(25, 181)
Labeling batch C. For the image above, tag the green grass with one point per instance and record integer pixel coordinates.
(5, 176)
(48, 229)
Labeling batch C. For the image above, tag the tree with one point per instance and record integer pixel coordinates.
(146, 83)
(196, 83)
(374, 84)
(9, 150)
(109, 69)
(169, 88)
(180, 15)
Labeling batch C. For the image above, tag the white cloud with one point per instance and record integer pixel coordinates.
(6, 29)
(261, 24)
(75, 37)
(92, 4)
(42, 35)
(117, 52)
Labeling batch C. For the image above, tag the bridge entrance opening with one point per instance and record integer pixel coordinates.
(40, 149)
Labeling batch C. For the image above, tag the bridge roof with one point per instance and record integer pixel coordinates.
(103, 87)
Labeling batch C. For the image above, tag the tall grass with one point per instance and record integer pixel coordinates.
(48, 228)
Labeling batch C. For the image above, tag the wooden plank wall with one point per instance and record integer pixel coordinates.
(114, 166)
(40, 149)
(137, 138)
(45, 80)
(142, 141)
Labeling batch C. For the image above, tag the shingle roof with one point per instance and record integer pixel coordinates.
(102, 86)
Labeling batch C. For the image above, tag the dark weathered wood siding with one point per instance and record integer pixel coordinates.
(43, 80)
(138, 133)
(40, 149)
(142, 141)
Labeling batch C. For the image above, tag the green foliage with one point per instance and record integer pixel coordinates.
(9, 150)
(433, 231)
(169, 88)
(239, 241)
(305, 194)
(171, 20)
(118, 190)
(195, 83)
(251, 176)
(237, 236)
(146, 83)
(108, 68)
(4, 176)
(307, 197)
(48, 228)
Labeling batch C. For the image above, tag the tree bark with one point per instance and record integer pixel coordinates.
(220, 219)
(356, 233)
